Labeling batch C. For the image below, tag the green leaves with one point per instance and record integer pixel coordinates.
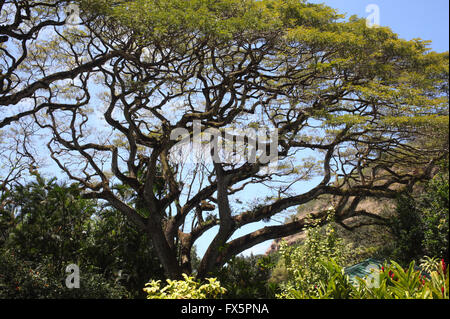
(247, 277)
(338, 285)
(395, 282)
(211, 18)
(188, 288)
(305, 263)
(392, 282)
(46, 225)
(51, 218)
(421, 223)
(158, 19)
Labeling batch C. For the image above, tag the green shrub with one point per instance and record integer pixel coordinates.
(303, 263)
(391, 282)
(20, 279)
(188, 288)
(247, 277)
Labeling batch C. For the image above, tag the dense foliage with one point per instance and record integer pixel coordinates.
(248, 277)
(356, 111)
(391, 282)
(47, 226)
(116, 260)
(303, 263)
(41, 279)
(421, 222)
(321, 275)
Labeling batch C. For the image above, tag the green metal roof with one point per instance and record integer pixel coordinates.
(363, 268)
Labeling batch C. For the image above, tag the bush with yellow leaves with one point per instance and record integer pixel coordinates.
(189, 288)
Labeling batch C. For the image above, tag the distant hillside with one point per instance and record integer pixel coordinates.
(362, 236)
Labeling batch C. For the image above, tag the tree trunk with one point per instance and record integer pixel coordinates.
(212, 257)
(167, 254)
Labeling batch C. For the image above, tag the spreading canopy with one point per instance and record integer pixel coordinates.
(355, 110)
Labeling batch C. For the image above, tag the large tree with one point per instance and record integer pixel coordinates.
(363, 112)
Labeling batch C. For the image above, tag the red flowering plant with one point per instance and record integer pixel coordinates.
(390, 282)
(439, 279)
(395, 282)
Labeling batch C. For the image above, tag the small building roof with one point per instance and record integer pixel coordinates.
(363, 269)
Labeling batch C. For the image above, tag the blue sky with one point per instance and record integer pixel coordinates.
(423, 19)
(428, 20)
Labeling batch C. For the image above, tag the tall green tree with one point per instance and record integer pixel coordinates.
(47, 225)
(47, 220)
(115, 92)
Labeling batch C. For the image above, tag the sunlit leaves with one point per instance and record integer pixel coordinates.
(188, 288)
